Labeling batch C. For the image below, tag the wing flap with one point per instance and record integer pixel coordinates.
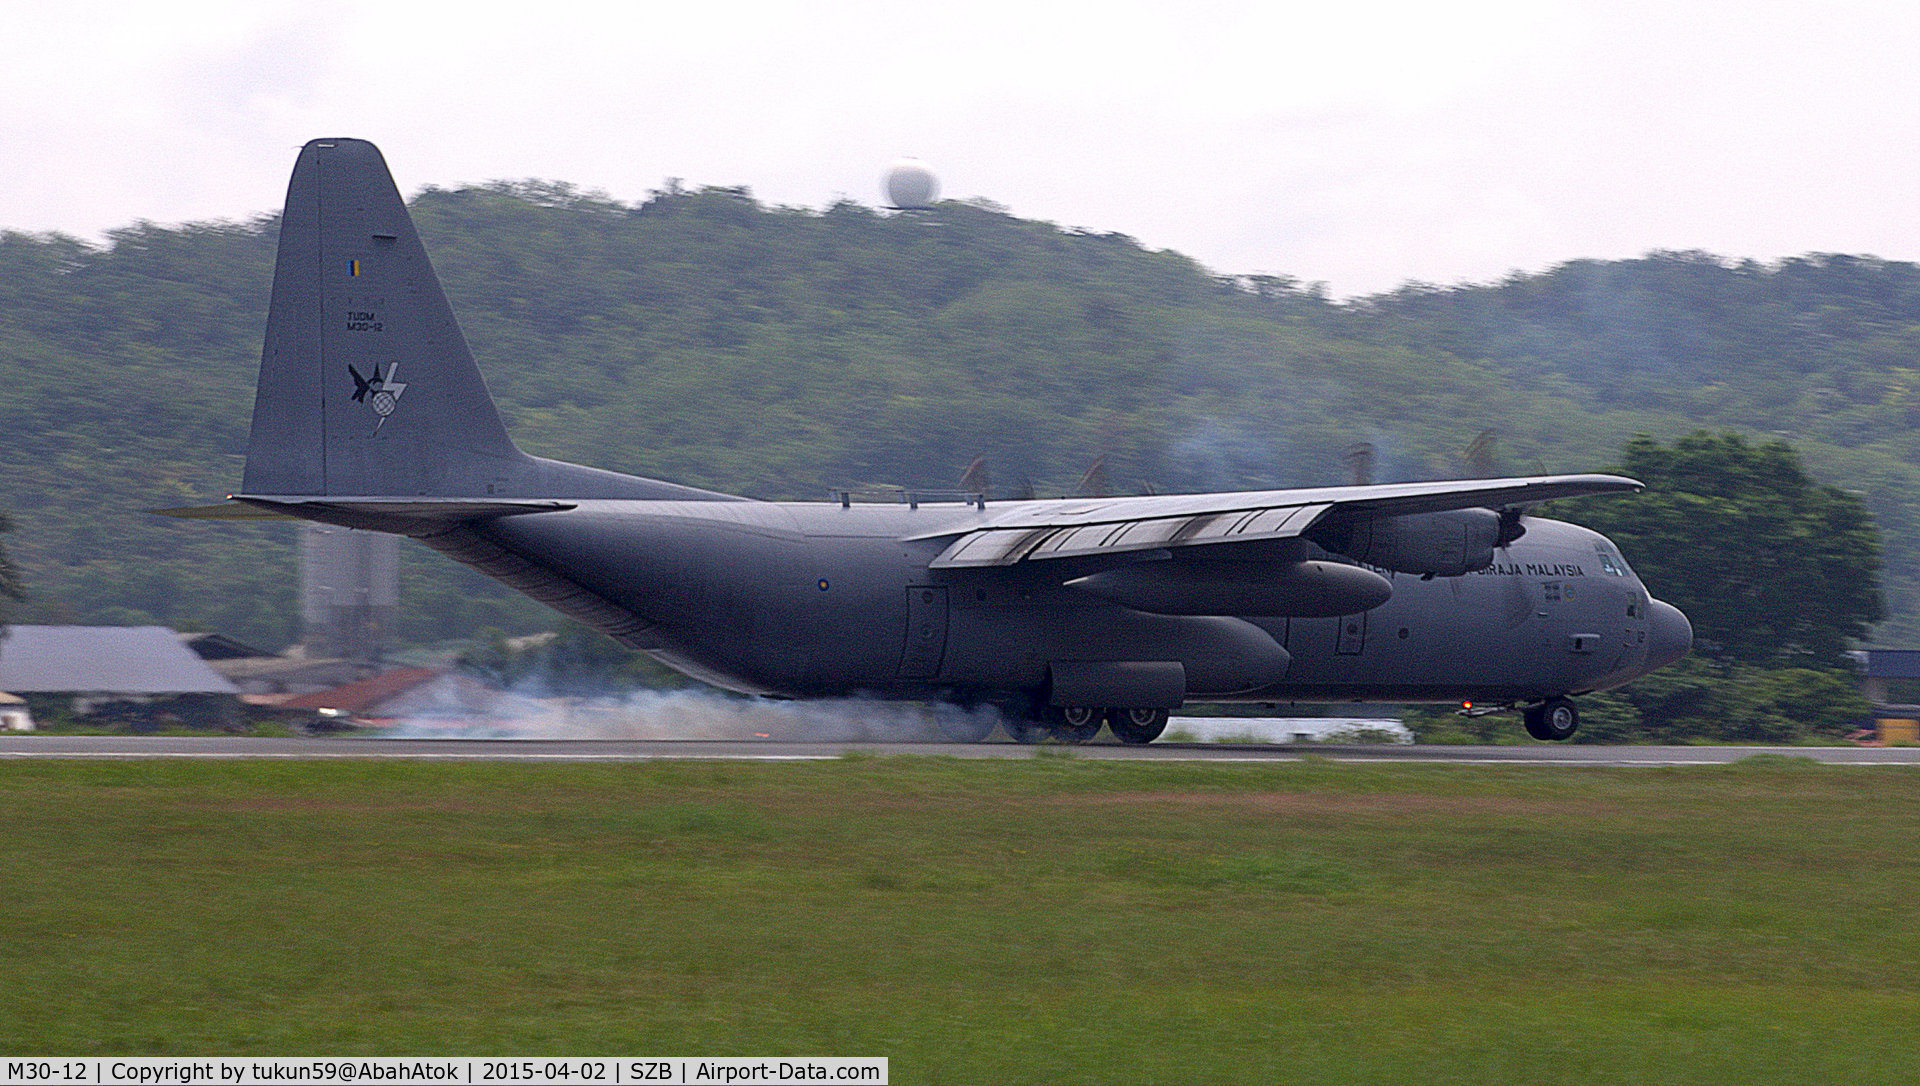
(1007, 546)
(993, 547)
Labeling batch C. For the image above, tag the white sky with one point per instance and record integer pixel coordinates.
(1363, 143)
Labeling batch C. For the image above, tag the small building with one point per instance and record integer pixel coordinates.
(139, 673)
(1892, 722)
(429, 697)
(218, 646)
(14, 716)
(266, 679)
(273, 680)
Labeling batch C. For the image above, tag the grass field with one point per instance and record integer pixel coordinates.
(1050, 920)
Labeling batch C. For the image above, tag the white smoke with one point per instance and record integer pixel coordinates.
(697, 714)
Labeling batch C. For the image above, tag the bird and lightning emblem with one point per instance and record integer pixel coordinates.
(381, 391)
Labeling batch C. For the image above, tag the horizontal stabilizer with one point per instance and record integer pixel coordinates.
(427, 508)
(223, 511)
(390, 512)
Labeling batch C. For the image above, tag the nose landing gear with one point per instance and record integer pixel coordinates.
(1552, 720)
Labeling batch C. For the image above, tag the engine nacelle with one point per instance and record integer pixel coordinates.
(1445, 544)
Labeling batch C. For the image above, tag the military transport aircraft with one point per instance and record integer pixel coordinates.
(370, 413)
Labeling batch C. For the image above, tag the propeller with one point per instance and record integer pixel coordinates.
(1510, 526)
(1480, 455)
(1094, 483)
(976, 479)
(1359, 457)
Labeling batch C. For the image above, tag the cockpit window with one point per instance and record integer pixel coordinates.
(1610, 563)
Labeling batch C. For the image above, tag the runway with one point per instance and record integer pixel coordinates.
(628, 750)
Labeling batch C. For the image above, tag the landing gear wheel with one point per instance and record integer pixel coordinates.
(1137, 725)
(1075, 723)
(1553, 719)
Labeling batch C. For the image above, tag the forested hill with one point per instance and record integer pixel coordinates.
(1829, 340)
(705, 338)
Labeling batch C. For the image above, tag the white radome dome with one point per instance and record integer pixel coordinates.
(911, 185)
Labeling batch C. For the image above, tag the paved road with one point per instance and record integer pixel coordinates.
(622, 750)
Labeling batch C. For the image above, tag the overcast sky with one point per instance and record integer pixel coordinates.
(1358, 143)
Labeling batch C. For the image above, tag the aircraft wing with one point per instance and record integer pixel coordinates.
(1035, 531)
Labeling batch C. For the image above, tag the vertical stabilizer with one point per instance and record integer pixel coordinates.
(366, 384)
(367, 388)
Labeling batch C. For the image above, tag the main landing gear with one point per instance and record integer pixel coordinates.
(1137, 725)
(1079, 723)
(1553, 719)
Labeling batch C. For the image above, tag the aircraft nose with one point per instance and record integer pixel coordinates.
(1672, 635)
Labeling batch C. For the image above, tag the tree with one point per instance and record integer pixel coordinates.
(1772, 568)
(1700, 699)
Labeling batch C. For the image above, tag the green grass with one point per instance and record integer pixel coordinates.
(1037, 920)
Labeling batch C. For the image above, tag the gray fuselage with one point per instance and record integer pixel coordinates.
(816, 599)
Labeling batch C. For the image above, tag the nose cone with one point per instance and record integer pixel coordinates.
(1672, 635)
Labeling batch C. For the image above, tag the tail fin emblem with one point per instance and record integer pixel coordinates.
(379, 391)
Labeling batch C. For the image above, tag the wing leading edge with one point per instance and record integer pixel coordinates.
(1036, 531)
